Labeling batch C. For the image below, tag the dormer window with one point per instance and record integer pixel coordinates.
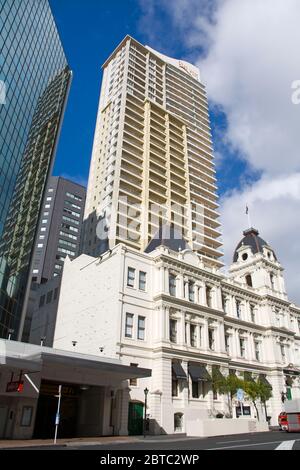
(244, 256)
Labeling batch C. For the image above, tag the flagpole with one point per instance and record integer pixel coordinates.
(248, 215)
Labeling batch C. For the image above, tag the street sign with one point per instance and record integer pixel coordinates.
(240, 394)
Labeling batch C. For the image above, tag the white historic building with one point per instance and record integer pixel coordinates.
(163, 310)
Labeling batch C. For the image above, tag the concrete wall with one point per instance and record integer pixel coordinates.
(223, 427)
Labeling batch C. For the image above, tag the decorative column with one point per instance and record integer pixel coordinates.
(221, 337)
(180, 286)
(205, 334)
(197, 293)
(202, 296)
(162, 279)
(166, 275)
(186, 289)
(188, 332)
(181, 329)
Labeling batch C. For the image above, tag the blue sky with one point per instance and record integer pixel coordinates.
(241, 50)
(89, 31)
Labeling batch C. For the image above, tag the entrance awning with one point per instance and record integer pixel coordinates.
(263, 379)
(199, 373)
(178, 371)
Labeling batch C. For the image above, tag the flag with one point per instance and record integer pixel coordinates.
(247, 209)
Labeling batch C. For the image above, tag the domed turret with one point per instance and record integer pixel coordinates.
(252, 243)
(255, 265)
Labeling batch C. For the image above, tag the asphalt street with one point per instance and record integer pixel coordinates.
(274, 440)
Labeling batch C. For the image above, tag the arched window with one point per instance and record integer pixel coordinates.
(272, 279)
(178, 422)
(249, 280)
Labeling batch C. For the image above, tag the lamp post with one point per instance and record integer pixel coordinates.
(283, 397)
(10, 332)
(146, 391)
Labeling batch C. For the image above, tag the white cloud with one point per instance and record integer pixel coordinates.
(274, 209)
(251, 61)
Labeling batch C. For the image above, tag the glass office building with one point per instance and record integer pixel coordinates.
(34, 80)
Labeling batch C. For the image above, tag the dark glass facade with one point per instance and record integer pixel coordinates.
(36, 76)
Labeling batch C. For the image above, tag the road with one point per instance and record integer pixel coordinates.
(274, 440)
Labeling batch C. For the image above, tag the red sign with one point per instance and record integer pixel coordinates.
(15, 386)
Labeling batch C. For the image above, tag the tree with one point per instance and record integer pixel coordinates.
(226, 385)
(265, 393)
(253, 391)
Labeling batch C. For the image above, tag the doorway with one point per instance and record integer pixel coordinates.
(47, 408)
(135, 418)
(3, 420)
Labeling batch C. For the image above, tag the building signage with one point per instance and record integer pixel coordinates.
(191, 71)
(17, 386)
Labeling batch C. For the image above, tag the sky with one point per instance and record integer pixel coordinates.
(248, 55)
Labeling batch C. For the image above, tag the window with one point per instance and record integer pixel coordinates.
(42, 300)
(47, 206)
(252, 313)
(73, 196)
(43, 229)
(49, 199)
(129, 325)
(46, 214)
(242, 347)
(142, 280)
(174, 386)
(44, 221)
(195, 389)
(178, 422)
(173, 331)
(272, 280)
(27, 412)
(130, 277)
(193, 334)
(238, 308)
(249, 280)
(224, 303)
(40, 245)
(67, 252)
(172, 284)
(191, 291)
(227, 343)
(50, 190)
(141, 328)
(55, 293)
(133, 382)
(35, 271)
(257, 350)
(208, 296)
(49, 297)
(211, 338)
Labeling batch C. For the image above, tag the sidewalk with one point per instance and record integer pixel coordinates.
(81, 441)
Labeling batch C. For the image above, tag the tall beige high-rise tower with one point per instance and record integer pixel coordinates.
(152, 162)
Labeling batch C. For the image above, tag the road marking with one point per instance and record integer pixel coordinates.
(286, 445)
(228, 442)
(247, 445)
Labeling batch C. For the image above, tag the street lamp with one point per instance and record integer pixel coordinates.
(146, 391)
(10, 332)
